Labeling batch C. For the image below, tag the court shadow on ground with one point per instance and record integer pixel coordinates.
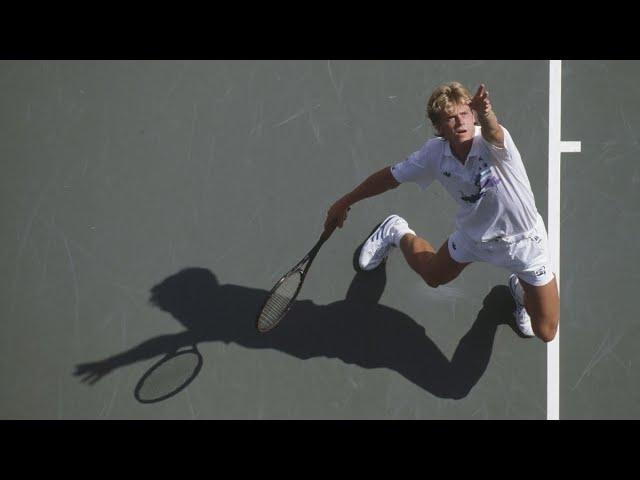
(357, 330)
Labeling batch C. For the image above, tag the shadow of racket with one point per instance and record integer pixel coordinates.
(169, 376)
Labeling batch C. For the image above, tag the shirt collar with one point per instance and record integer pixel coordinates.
(475, 146)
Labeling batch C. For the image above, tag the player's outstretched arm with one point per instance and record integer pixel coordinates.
(491, 130)
(375, 184)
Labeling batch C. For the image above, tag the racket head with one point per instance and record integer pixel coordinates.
(284, 292)
(280, 299)
(170, 375)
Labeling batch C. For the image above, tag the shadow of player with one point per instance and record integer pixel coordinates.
(357, 330)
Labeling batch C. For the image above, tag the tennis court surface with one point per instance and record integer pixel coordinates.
(149, 206)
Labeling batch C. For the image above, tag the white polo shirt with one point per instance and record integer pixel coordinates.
(491, 189)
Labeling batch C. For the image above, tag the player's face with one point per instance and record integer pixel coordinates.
(457, 126)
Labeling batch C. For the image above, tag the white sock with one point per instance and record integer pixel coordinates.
(399, 232)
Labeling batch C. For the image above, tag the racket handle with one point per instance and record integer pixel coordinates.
(327, 233)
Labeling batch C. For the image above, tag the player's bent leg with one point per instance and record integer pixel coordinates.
(543, 305)
(435, 268)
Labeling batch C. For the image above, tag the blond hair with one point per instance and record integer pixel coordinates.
(444, 99)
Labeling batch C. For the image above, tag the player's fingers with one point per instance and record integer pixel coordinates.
(483, 94)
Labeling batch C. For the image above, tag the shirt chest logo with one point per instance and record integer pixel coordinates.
(483, 180)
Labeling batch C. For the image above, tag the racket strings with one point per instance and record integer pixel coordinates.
(169, 377)
(279, 301)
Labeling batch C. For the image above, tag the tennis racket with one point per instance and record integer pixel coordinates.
(169, 376)
(285, 291)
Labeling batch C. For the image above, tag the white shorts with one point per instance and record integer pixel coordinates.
(526, 255)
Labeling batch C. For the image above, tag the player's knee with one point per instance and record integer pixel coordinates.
(547, 334)
(432, 280)
(547, 327)
(433, 275)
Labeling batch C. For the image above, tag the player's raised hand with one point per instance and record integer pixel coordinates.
(480, 101)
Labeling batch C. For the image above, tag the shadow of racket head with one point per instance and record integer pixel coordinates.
(169, 376)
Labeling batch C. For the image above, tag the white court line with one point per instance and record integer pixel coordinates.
(570, 147)
(556, 147)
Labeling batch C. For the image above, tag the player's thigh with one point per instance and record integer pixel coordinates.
(443, 268)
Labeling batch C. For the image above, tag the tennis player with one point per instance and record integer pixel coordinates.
(477, 162)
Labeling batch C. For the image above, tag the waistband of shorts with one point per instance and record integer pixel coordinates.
(504, 239)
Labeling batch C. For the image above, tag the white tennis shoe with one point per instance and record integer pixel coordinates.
(523, 320)
(384, 238)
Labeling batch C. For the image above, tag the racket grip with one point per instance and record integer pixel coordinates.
(329, 230)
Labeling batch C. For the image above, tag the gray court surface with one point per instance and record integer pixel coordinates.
(150, 205)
